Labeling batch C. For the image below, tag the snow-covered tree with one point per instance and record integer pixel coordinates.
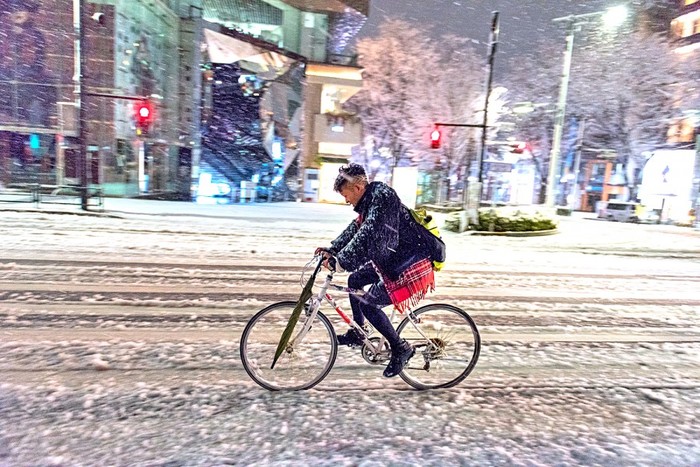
(456, 96)
(623, 85)
(396, 80)
(533, 83)
(654, 15)
(410, 82)
(625, 91)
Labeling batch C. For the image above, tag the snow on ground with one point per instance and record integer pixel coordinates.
(119, 345)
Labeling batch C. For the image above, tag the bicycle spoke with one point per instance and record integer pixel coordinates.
(447, 346)
(302, 364)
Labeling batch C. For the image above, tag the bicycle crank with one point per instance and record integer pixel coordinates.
(373, 357)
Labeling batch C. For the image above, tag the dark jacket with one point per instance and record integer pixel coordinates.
(384, 233)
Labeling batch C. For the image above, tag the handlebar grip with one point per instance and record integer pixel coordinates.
(332, 263)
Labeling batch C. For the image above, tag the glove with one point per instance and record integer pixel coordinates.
(334, 264)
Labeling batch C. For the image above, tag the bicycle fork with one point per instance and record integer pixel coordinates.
(312, 311)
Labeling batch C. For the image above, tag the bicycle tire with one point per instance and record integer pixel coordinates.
(301, 367)
(458, 346)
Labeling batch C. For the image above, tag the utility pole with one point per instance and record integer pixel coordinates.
(613, 17)
(79, 62)
(559, 118)
(470, 204)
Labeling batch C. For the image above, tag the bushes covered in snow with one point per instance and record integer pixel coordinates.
(506, 219)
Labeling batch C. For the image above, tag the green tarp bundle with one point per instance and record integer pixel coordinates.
(303, 298)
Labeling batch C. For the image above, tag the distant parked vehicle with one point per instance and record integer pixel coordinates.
(619, 211)
(628, 211)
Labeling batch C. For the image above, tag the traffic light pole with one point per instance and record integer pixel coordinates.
(493, 44)
(115, 96)
(695, 194)
(79, 66)
(473, 210)
(472, 213)
(79, 61)
(465, 125)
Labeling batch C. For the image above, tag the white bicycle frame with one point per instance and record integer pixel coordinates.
(324, 295)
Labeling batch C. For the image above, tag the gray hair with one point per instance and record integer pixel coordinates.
(351, 173)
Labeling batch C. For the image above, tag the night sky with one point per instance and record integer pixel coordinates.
(522, 22)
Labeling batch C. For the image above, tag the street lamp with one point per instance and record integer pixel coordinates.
(614, 17)
(611, 17)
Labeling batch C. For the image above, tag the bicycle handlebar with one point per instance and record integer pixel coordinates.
(332, 260)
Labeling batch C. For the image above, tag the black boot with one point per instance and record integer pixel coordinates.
(352, 338)
(399, 357)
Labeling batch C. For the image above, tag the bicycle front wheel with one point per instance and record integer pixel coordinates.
(302, 365)
(447, 346)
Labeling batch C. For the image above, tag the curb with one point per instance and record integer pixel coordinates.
(535, 233)
(66, 213)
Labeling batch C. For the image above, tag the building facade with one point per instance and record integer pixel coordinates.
(307, 131)
(685, 28)
(162, 52)
(685, 131)
(132, 54)
(685, 31)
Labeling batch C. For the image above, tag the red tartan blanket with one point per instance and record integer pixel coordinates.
(411, 286)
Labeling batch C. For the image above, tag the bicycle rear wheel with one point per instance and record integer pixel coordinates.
(302, 365)
(447, 353)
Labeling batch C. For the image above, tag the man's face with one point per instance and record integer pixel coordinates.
(352, 192)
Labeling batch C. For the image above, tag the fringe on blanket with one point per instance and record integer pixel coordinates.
(412, 285)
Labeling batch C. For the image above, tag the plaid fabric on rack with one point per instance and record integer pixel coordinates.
(411, 286)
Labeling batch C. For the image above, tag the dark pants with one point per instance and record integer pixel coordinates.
(370, 304)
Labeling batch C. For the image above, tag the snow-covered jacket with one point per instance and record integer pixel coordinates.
(383, 233)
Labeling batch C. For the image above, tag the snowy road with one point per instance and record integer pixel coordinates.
(119, 346)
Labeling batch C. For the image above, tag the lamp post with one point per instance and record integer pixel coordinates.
(612, 17)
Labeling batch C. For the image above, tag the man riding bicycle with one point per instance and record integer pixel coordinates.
(383, 249)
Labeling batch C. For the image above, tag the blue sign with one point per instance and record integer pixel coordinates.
(34, 141)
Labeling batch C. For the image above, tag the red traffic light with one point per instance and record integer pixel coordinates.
(143, 115)
(435, 139)
(144, 112)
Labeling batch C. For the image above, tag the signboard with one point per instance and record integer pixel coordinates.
(405, 183)
(667, 182)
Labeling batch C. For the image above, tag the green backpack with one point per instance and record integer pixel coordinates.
(431, 235)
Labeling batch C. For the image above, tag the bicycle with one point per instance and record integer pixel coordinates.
(446, 339)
